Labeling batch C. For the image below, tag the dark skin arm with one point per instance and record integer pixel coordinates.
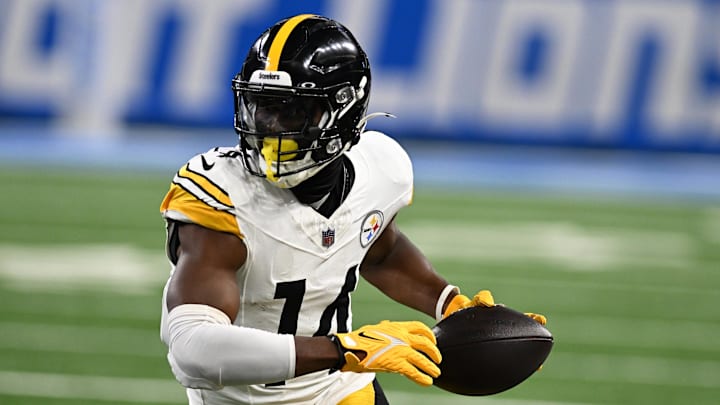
(205, 274)
(397, 268)
(208, 262)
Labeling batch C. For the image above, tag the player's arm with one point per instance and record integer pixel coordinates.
(400, 270)
(206, 349)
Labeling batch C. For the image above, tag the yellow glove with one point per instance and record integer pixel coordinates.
(407, 348)
(537, 317)
(482, 299)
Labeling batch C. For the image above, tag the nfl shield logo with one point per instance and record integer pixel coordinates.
(328, 237)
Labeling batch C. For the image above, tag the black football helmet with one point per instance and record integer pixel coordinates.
(300, 98)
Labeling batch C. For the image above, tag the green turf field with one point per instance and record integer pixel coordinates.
(631, 290)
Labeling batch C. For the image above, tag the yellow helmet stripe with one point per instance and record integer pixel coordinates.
(281, 37)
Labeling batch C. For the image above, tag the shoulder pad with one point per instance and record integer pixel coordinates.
(197, 194)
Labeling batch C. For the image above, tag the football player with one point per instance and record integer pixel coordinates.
(268, 238)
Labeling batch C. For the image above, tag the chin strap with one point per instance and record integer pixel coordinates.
(272, 149)
(266, 153)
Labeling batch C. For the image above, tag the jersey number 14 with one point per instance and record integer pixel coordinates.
(294, 291)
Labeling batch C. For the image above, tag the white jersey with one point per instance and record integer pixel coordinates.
(301, 267)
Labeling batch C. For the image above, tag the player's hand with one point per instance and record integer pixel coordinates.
(482, 299)
(541, 319)
(407, 348)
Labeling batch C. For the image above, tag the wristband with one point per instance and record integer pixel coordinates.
(341, 352)
(441, 301)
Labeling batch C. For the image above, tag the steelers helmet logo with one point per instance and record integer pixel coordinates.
(370, 227)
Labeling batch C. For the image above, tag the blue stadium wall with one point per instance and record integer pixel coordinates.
(631, 74)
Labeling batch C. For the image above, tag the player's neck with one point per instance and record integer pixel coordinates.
(327, 189)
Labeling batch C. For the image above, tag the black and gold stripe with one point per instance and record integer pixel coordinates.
(200, 200)
(206, 185)
(280, 39)
(180, 200)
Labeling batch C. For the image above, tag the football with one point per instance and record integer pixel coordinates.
(487, 350)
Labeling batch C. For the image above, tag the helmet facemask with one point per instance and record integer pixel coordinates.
(287, 134)
(300, 98)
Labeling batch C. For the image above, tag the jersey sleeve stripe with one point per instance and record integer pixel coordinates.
(180, 200)
(205, 184)
(199, 194)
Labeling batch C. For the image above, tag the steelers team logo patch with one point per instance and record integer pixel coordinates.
(370, 227)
